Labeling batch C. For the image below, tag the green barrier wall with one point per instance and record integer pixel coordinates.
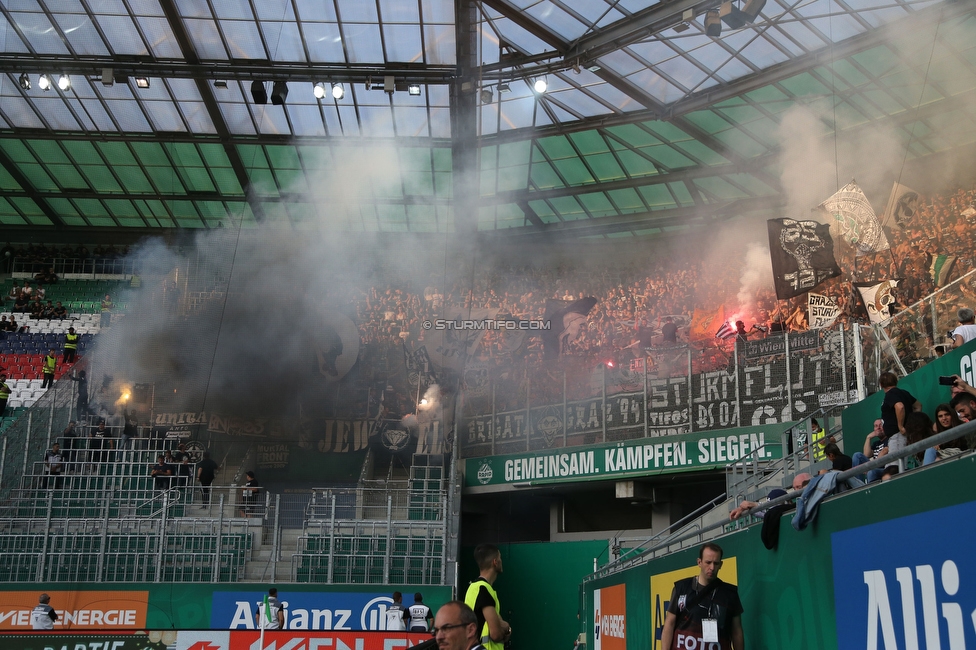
(859, 419)
(789, 593)
(539, 590)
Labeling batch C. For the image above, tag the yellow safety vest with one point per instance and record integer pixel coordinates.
(71, 341)
(106, 305)
(818, 449)
(470, 597)
(49, 364)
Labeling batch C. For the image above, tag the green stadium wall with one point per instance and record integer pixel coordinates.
(812, 592)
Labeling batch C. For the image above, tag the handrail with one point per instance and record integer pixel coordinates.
(964, 429)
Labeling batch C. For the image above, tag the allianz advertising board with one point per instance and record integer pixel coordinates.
(234, 610)
(907, 582)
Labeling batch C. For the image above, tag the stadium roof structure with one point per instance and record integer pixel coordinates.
(648, 124)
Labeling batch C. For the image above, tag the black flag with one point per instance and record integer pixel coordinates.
(564, 318)
(802, 253)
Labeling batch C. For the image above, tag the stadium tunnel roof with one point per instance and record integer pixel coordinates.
(648, 124)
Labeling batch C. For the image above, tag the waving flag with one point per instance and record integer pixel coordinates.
(856, 220)
(940, 266)
(878, 298)
(725, 332)
(902, 206)
(802, 254)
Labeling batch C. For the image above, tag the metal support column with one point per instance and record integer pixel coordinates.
(389, 539)
(789, 380)
(332, 525)
(219, 542)
(738, 395)
(27, 440)
(161, 539)
(276, 536)
(42, 561)
(691, 390)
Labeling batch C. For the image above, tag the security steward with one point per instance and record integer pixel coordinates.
(481, 597)
(48, 367)
(704, 612)
(70, 345)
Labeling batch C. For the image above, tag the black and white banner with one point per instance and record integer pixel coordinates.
(802, 254)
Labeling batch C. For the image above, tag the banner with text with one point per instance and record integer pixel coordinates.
(645, 457)
(765, 388)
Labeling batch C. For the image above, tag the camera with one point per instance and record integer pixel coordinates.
(947, 380)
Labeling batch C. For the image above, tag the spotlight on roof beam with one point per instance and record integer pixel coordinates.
(486, 95)
(44, 82)
(540, 85)
(25, 81)
(142, 82)
(64, 82)
(338, 92)
(737, 18)
(279, 93)
(220, 83)
(318, 90)
(504, 88)
(681, 27)
(258, 92)
(713, 23)
(413, 89)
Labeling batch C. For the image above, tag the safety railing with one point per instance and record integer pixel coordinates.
(51, 548)
(374, 536)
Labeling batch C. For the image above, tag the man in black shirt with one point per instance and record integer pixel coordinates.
(896, 405)
(704, 612)
(206, 472)
(841, 462)
(669, 331)
(161, 473)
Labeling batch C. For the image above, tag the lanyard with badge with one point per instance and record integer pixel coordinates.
(709, 625)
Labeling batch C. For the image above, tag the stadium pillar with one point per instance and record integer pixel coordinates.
(464, 123)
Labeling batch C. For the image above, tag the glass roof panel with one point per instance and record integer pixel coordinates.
(41, 35)
(206, 39)
(402, 43)
(284, 40)
(557, 20)
(356, 11)
(324, 42)
(243, 39)
(160, 37)
(363, 42)
(81, 35)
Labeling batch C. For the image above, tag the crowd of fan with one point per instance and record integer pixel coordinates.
(635, 298)
(30, 301)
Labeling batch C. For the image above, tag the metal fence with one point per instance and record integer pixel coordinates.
(53, 547)
(76, 266)
(373, 535)
(912, 337)
(781, 378)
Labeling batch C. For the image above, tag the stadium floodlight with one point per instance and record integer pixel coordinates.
(142, 82)
(338, 92)
(540, 85)
(413, 89)
(64, 82)
(25, 81)
(44, 82)
(318, 90)
(486, 95)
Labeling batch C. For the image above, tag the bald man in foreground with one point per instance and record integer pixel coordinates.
(456, 627)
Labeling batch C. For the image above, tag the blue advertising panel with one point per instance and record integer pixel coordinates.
(907, 582)
(234, 610)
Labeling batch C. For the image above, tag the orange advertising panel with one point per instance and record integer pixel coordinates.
(77, 610)
(610, 618)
